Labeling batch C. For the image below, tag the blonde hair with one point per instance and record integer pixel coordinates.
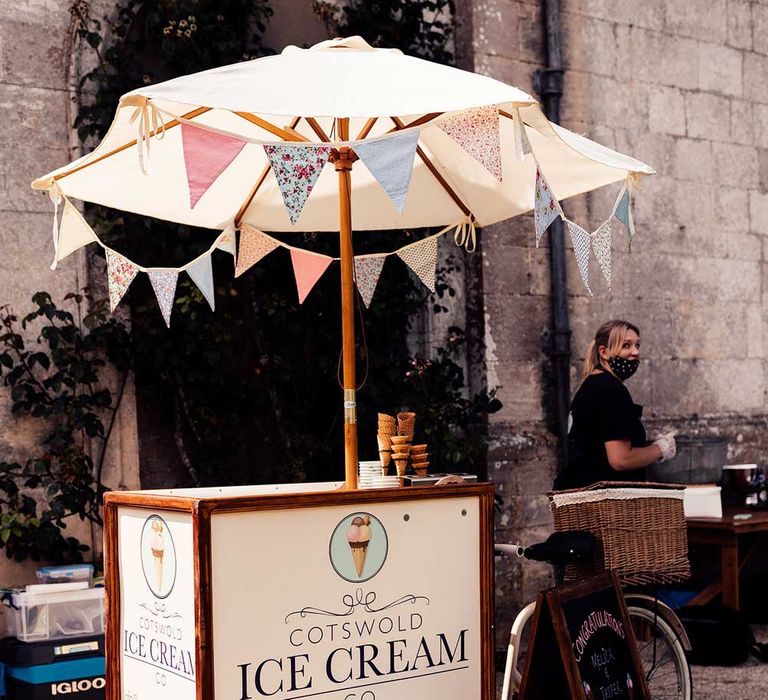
(610, 335)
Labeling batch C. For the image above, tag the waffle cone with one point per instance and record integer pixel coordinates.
(359, 552)
(386, 457)
(400, 465)
(385, 442)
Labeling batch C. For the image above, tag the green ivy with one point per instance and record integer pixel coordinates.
(57, 383)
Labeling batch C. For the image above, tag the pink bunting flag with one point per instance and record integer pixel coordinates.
(120, 274)
(367, 273)
(296, 170)
(206, 155)
(308, 268)
(477, 132)
(254, 245)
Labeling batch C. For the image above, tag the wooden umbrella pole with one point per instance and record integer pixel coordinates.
(343, 163)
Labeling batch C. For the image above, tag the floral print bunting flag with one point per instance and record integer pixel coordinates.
(296, 169)
(164, 284)
(120, 274)
(601, 246)
(545, 206)
(367, 273)
(477, 132)
(254, 245)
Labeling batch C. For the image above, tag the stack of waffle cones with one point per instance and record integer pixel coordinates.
(401, 447)
(387, 428)
(419, 459)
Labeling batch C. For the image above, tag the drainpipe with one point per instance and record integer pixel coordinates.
(549, 84)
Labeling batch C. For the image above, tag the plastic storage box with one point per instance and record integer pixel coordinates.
(43, 670)
(66, 574)
(50, 615)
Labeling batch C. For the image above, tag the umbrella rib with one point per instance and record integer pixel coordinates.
(416, 122)
(260, 181)
(174, 122)
(432, 169)
(366, 128)
(286, 134)
(313, 123)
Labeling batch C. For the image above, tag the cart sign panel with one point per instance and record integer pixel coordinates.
(157, 605)
(376, 603)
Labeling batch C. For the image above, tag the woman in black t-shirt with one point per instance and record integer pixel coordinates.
(606, 441)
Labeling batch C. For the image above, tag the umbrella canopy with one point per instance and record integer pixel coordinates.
(439, 146)
(347, 78)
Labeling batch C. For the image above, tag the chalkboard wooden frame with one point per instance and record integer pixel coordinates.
(551, 670)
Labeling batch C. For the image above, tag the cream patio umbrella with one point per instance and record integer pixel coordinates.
(344, 100)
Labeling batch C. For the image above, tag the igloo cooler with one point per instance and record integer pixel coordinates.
(42, 670)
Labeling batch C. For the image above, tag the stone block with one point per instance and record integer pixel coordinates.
(649, 14)
(517, 324)
(33, 115)
(742, 122)
(694, 204)
(666, 111)
(736, 165)
(693, 160)
(658, 59)
(33, 54)
(521, 390)
(732, 209)
(760, 28)
(760, 112)
(739, 19)
(530, 45)
(756, 74)
(758, 212)
(708, 116)
(589, 45)
(720, 69)
(691, 19)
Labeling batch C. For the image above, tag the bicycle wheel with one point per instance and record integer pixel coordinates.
(661, 653)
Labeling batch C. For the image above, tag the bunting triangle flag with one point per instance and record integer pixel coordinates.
(206, 155)
(227, 242)
(254, 245)
(581, 246)
(120, 274)
(390, 161)
(201, 273)
(296, 169)
(164, 284)
(477, 132)
(422, 259)
(74, 232)
(526, 143)
(623, 212)
(545, 206)
(601, 246)
(307, 268)
(367, 273)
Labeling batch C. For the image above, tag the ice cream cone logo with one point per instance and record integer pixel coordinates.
(158, 551)
(358, 547)
(158, 556)
(359, 537)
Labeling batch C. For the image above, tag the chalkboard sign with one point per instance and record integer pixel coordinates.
(582, 646)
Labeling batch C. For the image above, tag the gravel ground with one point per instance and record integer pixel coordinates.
(746, 682)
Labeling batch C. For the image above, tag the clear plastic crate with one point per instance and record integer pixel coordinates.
(66, 574)
(37, 616)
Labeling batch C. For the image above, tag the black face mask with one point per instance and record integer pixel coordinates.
(622, 368)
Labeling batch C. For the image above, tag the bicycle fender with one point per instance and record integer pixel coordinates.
(664, 611)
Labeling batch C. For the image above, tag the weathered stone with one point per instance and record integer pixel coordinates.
(736, 165)
(666, 111)
(708, 116)
(755, 74)
(742, 122)
(720, 69)
(760, 28)
(674, 63)
(688, 19)
(739, 18)
(693, 160)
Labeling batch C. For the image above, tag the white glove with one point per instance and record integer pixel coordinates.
(666, 443)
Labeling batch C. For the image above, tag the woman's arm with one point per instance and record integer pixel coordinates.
(623, 457)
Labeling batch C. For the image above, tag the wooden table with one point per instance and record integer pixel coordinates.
(737, 534)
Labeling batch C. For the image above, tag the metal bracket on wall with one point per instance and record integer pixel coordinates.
(548, 81)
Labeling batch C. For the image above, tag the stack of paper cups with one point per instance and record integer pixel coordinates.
(366, 473)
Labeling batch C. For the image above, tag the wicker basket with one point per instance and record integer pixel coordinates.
(640, 526)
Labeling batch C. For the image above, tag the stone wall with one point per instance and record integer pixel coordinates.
(679, 85)
(37, 68)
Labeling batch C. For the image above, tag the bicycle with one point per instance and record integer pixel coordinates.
(661, 639)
